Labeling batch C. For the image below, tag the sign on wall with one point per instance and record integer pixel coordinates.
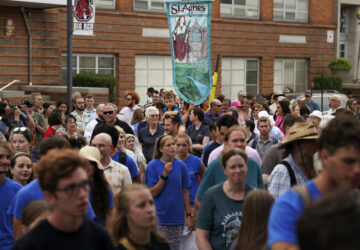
(189, 27)
(84, 17)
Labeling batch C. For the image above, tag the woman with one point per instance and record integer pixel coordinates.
(219, 216)
(351, 105)
(256, 108)
(21, 140)
(55, 120)
(253, 230)
(21, 168)
(167, 179)
(295, 109)
(121, 144)
(137, 118)
(179, 36)
(282, 109)
(134, 220)
(193, 163)
(33, 213)
(198, 132)
(101, 196)
(315, 118)
(63, 107)
(70, 125)
(36, 102)
(132, 144)
(47, 111)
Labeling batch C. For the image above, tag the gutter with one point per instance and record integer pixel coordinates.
(30, 44)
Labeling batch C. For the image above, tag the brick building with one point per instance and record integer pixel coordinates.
(264, 45)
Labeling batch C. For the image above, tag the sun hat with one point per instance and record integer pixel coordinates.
(92, 154)
(316, 113)
(300, 131)
(263, 113)
(235, 103)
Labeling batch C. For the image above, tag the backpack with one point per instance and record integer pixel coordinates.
(122, 157)
(255, 141)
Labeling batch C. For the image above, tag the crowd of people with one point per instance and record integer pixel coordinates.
(259, 172)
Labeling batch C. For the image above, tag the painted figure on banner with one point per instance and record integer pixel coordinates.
(84, 11)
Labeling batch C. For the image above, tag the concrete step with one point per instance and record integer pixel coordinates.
(12, 93)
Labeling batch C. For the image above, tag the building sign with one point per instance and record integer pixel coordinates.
(189, 27)
(84, 17)
(330, 36)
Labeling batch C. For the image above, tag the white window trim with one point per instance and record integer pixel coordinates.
(345, 49)
(245, 6)
(294, 70)
(104, 4)
(345, 22)
(149, 9)
(242, 87)
(296, 11)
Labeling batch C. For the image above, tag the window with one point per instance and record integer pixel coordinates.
(290, 73)
(342, 50)
(100, 64)
(105, 4)
(240, 8)
(239, 74)
(152, 71)
(291, 10)
(150, 5)
(344, 20)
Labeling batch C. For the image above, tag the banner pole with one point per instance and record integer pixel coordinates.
(215, 77)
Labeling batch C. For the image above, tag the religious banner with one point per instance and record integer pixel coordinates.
(189, 27)
(84, 17)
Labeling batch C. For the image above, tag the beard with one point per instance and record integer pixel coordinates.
(80, 108)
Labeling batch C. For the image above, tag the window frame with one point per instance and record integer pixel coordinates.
(236, 6)
(294, 71)
(243, 87)
(77, 58)
(284, 10)
(149, 9)
(99, 4)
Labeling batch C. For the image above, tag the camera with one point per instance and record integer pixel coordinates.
(13, 106)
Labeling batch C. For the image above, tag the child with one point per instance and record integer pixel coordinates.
(171, 108)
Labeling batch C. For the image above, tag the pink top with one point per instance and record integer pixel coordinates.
(252, 153)
(280, 123)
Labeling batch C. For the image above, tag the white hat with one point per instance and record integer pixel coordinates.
(317, 114)
(92, 154)
(265, 114)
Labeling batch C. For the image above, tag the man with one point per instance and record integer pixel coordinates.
(116, 174)
(225, 106)
(66, 186)
(213, 114)
(89, 107)
(155, 97)
(91, 125)
(8, 190)
(171, 124)
(263, 141)
(297, 167)
(214, 174)
(82, 118)
(32, 191)
(110, 118)
(273, 155)
(338, 147)
(242, 96)
(132, 101)
(335, 103)
(223, 124)
(312, 105)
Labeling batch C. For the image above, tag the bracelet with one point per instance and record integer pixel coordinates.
(164, 177)
(188, 215)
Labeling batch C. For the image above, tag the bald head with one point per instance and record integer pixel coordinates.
(103, 142)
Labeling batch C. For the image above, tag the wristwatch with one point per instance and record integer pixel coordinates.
(164, 177)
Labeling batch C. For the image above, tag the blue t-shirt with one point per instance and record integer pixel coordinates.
(101, 220)
(193, 165)
(170, 202)
(207, 151)
(7, 192)
(286, 212)
(175, 107)
(129, 163)
(32, 192)
(214, 174)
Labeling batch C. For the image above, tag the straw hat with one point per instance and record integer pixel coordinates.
(92, 154)
(300, 131)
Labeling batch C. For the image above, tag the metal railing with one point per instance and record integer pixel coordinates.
(9, 84)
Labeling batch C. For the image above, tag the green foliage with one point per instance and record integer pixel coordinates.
(340, 64)
(329, 82)
(89, 79)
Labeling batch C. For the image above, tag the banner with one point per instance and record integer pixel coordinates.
(189, 27)
(84, 17)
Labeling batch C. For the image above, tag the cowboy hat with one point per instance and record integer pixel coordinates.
(300, 131)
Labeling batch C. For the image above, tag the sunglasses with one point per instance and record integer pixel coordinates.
(20, 129)
(108, 112)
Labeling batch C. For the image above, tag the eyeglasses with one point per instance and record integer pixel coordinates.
(256, 110)
(100, 145)
(128, 99)
(108, 112)
(218, 105)
(20, 129)
(153, 116)
(74, 189)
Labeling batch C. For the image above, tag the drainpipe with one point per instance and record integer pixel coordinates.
(30, 44)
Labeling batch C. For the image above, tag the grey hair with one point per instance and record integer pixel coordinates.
(150, 109)
(112, 105)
